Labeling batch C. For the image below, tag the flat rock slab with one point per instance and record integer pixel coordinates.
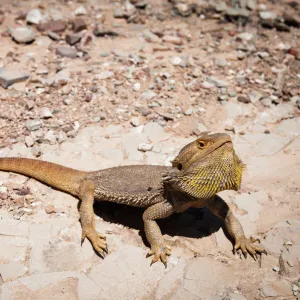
(9, 77)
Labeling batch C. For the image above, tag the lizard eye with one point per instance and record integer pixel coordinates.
(201, 144)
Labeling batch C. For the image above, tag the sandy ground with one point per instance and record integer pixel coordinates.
(85, 84)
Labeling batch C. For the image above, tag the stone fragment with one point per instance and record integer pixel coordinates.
(66, 51)
(267, 15)
(12, 271)
(148, 95)
(73, 39)
(150, 37)
(51, 137)
(58, 26)
(145, 147)
(175, 40)
(279, 288)
(243, 99)
(80, 11)
(35, 16)
(78, 24)
(102, 32)
(29, 141)
(237, 12)
(289, 127)
(9, 77)
(46, 113)
(49, 209)
(217, 82)
(22, 35)
(254, 96)
(105, 75)
(33, 125)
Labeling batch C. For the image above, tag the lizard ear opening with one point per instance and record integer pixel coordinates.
(179, 166)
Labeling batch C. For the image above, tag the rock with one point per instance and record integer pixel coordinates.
(175, 40)
(29, 141)
(237, 12)
(231, 93)
(36, 151)
(266, 102)
(145, 147)
(46, 113)
(58, 26)
(254, 96)
(176, 61)
(150, 37)
(251, 203)
(22, 35)
(183, 9)
(54, 36)
(59, 79)
(135, 121)
(102, 32)
(251, 4)
(267, 15)
(51, 137)
(276, 289)
(105, 75)
(33, 125)
(9, 77)
(243, 99)
(78, 24)
(289, 127)
(12, 271)
(80, 11)
(245, 36)
(49, 209)
(34, 17)
(217, 82)
(66, 51)
(148, 95)
(202, 283)
(291, 19)
(136, 86)
(72, 39)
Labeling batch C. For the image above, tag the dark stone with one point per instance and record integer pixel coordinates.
(72, 39)
(101, 32)
(78, 24)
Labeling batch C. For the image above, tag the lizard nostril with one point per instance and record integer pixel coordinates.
(179, 166)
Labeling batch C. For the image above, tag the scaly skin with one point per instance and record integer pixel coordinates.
(202, 168)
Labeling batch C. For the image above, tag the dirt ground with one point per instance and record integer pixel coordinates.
(96, 84)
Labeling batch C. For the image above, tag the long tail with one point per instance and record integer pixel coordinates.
(57, 176)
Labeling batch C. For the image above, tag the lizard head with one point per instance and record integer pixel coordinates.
(207, 166)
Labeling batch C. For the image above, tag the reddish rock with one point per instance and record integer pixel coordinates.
(53, 26)
(78, 24)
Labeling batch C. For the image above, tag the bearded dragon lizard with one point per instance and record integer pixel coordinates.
(202, 168)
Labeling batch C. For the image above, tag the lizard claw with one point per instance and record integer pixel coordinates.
(160, 252)
(247, 246)
(98, 241)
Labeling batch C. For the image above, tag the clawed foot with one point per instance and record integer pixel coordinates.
(247, 246)
(98, 241)
(160, 252)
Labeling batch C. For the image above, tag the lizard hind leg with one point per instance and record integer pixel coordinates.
(87, 218)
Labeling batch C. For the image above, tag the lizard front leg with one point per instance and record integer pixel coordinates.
(87, 218)
(158, 247)
(220, 208)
